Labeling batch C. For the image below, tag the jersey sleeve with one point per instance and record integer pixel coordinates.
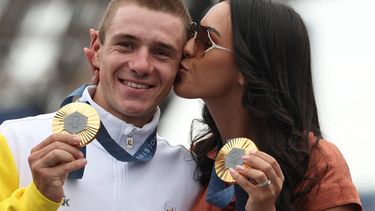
(13, 197)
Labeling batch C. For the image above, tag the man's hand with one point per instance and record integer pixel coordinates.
(52, 160)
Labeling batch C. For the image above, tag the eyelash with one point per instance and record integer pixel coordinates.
(161, 53)
(127, 45)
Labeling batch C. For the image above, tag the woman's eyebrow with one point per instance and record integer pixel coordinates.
(214, 30)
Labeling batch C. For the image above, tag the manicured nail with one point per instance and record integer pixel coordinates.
(253, 151)
(232, 172)
(245, 157)
(240, 168)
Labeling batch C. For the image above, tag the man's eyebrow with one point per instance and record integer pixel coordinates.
(124, 36)
(163, 45)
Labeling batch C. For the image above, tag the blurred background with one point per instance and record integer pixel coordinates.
(41, 61)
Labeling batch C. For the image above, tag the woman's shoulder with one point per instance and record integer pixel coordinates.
(334, 185)
(325, 155)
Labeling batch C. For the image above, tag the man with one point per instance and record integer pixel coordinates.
(137, 54)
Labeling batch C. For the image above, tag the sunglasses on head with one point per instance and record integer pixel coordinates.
(203, 40)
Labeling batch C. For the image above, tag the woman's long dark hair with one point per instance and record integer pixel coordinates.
(272, 51)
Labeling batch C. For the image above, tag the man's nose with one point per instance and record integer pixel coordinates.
(140, 63)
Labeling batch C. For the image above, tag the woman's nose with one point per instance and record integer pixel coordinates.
(189, 48)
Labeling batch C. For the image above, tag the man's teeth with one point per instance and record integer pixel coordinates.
(136, 86)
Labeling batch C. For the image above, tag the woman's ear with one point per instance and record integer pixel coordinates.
(241, 79)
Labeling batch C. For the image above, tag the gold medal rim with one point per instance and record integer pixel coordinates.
(93, 121)
(221, 170)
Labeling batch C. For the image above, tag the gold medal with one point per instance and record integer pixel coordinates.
(230, 156)
(77, 118)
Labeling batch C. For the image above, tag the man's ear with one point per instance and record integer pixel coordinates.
(91, 54)
(95, 46)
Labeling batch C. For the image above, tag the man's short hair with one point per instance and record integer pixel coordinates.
(173, 7)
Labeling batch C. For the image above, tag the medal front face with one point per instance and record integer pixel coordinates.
(77, 118)
(230, 156)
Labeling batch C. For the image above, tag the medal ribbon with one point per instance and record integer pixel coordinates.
(220, 195)
(144, 153)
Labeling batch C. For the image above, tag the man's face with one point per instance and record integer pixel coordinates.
(138, 62)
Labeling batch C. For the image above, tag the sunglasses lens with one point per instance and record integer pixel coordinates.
(202, 41)
(192, 30)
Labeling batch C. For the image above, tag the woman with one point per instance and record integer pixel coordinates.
(250, 63)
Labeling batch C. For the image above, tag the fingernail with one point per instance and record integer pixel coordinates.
(81, 154)
(253, 151)
(84, 161)
(76, 139)
(232, 172)
(245, 157)
(240, 168)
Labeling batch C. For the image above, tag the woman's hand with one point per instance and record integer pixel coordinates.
(261, 177)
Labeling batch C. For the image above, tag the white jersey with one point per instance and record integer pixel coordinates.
(166, 182)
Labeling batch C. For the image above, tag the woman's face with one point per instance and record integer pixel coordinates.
(216, 74)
